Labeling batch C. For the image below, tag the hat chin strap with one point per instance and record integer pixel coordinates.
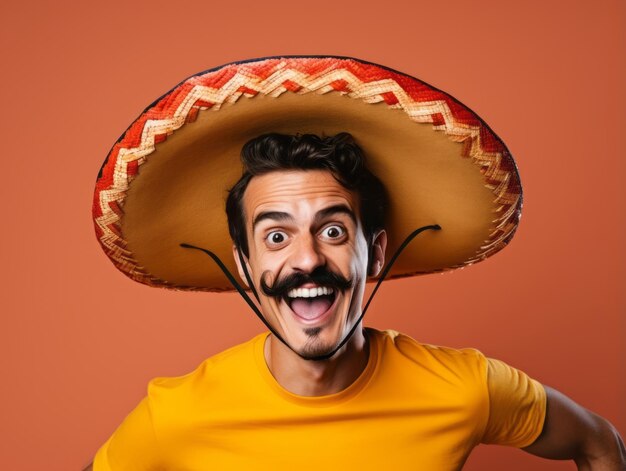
(258, 313)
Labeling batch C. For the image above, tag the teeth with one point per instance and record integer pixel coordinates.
(309, 292)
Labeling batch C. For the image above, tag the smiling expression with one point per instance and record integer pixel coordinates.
(298, 224)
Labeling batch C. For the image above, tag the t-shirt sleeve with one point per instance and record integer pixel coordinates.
(133, 446)
(517, 406)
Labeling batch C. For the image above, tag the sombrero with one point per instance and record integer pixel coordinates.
(165, 180)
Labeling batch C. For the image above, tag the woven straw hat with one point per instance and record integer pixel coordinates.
(166, 180)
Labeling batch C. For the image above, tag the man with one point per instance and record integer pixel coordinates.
(309, 223)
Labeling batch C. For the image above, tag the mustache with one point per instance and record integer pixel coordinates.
(320, 276)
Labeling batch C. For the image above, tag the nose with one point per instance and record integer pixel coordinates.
(306, 255)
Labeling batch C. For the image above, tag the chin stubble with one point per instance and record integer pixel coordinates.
(313, 347)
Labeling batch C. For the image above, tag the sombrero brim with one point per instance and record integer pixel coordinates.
(165, 181)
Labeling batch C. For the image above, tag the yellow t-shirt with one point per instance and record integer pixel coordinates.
(414, 406)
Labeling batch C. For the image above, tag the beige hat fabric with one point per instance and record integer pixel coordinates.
(166, 180)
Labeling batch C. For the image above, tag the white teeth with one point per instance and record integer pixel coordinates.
(309, 292)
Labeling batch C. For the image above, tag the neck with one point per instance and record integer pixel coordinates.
(317, 378)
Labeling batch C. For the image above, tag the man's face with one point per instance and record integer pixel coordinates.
(306, 223)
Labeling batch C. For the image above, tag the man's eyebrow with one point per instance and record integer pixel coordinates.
(273, 215)
(336, 209)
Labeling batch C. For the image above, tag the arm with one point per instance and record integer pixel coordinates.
(572, 432)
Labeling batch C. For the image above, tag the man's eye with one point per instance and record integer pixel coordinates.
(276, 237)
(333, 232)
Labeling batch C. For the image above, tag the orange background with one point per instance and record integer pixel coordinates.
(80, 341)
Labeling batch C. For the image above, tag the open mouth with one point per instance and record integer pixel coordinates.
(310, 303)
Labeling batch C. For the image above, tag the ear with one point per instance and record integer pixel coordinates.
(377, 253)
(242, 275)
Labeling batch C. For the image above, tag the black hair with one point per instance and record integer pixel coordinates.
(338, 154)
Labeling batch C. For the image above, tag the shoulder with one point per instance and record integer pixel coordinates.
(456, 375)
(211, 382)
(444, 360)
(430, 377)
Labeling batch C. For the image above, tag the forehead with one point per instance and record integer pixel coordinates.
(293, 188)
